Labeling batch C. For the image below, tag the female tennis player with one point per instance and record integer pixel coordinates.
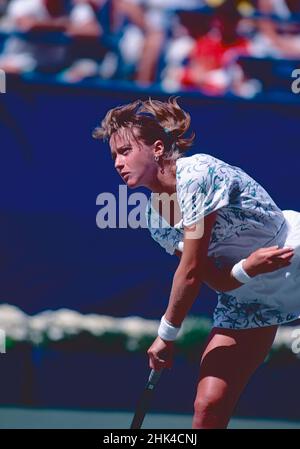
(228, 233)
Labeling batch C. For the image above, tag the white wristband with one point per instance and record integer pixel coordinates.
(166, 331)
(239, 273)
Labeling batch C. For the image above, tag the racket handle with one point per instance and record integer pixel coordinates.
(154, 378)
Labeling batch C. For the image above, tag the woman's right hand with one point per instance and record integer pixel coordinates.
(266, 260)
(161, 354)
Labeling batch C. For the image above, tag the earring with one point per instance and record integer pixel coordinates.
(156, 158)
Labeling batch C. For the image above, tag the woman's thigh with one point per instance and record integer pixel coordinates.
(229, 360)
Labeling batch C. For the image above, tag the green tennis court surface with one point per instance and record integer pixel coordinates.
(27, 418)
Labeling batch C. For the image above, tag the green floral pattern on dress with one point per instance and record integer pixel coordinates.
(206, 184)
(233, 314)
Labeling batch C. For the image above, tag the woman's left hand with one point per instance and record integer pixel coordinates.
(161, 354)
(266, 260)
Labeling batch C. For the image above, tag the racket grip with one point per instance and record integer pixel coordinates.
(154, 377)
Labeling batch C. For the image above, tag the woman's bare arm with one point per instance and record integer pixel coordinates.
(215, 278)
(189, 275)
(263, 260)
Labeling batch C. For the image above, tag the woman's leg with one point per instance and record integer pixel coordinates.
(229, 360)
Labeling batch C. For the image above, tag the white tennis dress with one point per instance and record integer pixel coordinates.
(247, 219)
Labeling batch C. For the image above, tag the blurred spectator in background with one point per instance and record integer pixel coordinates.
(186, 31)
(150, 22)
(86, 50)
(277, 35)
(197, 45)
(76, 19)
(131, 31)
(3, 7)
(212, 65)
(83, 18)
(23, 55)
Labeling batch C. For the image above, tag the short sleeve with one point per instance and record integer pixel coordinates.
(203, 187)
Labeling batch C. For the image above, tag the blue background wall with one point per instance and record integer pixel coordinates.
(52, 253)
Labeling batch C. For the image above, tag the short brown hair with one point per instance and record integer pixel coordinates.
(154, 120)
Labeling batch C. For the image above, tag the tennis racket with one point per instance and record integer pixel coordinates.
(144, 402)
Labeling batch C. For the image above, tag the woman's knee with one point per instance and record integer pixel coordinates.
(204, 404)
(211, 410)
